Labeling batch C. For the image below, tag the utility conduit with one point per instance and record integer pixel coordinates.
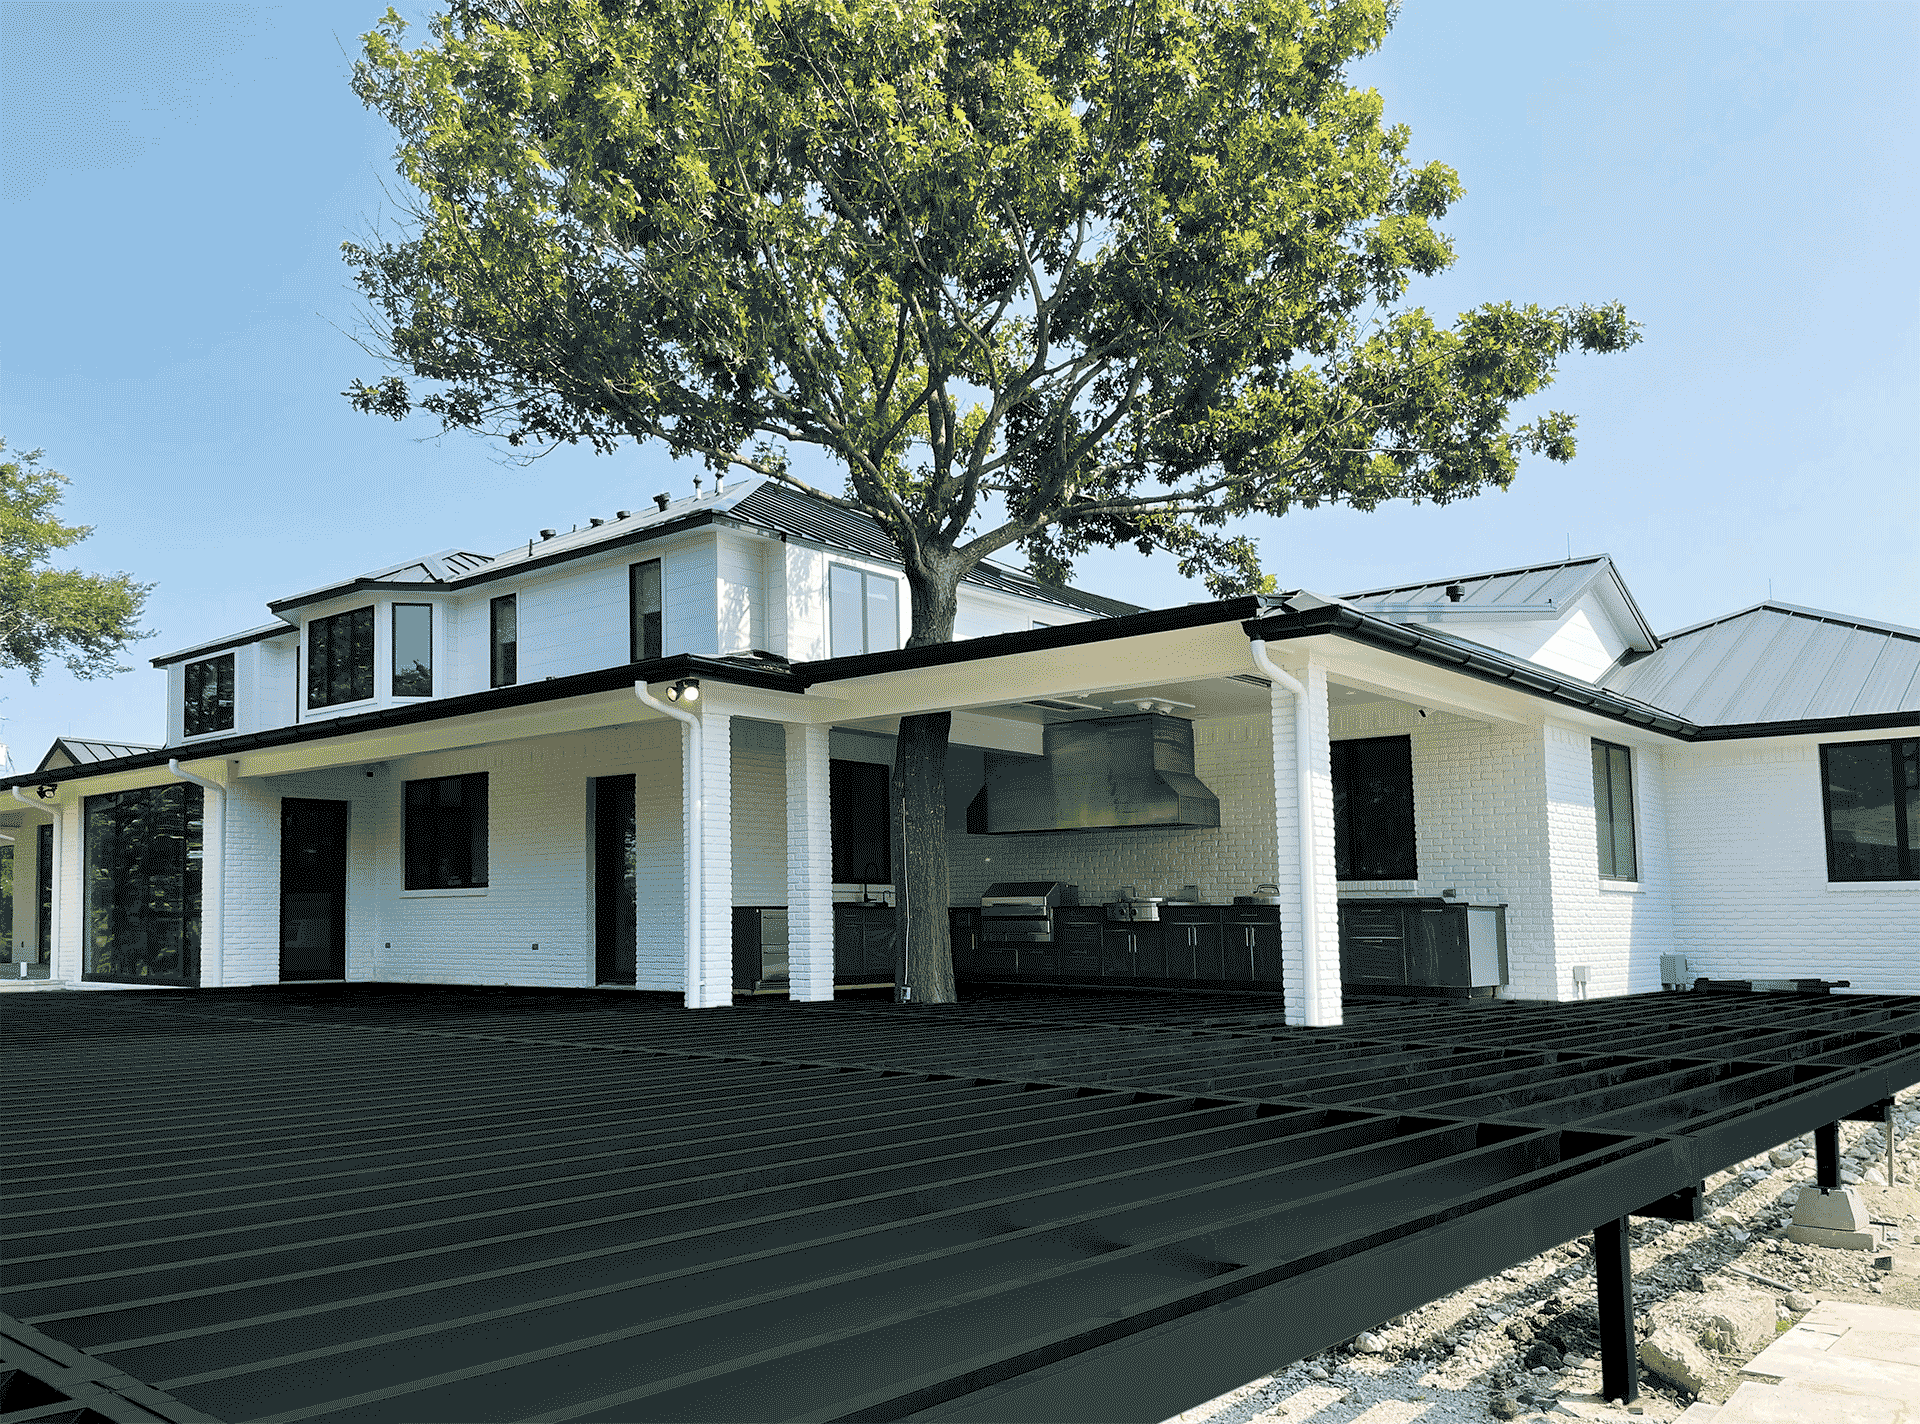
(693, 789)
(1303, 798)
(53, 871)
(213, 876)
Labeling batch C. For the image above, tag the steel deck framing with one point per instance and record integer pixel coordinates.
(378, 1204)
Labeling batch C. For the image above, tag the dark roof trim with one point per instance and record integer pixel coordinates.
(768, 677)
(692, 520)
(1457, 656)
(220, 645)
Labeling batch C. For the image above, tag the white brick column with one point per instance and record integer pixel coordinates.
(713, 980)
(809, 865)
(1304, 935)
(64, 948)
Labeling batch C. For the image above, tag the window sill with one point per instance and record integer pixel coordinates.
(1856, 887)
(447, 894)
(1621, 887)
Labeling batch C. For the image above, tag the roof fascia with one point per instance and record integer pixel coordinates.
(690, 665)
(1458, 656)
(221, 645)
(691, 520)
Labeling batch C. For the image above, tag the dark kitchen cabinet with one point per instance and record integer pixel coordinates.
(1078, 940)
(1252, 943)
(1131, 951)
(1193, 942)
(863, 939)
(1423, 946)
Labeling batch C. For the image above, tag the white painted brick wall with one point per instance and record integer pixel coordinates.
(759, 821)
(809, 864)
(1751, 895)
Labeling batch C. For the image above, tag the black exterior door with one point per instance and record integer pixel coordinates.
(313, 889)
(615, 885)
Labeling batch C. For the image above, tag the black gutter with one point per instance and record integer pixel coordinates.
(767, 677)
(238, 640)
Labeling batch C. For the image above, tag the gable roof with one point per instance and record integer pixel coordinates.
(1560, 583)
(758, 503)
(1776, 662)
(85, 751)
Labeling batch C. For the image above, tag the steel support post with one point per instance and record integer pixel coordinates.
(1613, 1278)
(1826, 1157)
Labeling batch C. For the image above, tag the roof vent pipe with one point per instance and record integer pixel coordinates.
(1455, 593)
(719, 482)
(663, 500)
(548, 533)
(623, 514)
(596, 523)
(697, 482)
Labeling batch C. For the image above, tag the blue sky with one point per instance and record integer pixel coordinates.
(178, 177)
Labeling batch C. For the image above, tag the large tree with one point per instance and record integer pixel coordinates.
(1037, 277)
(81, 619)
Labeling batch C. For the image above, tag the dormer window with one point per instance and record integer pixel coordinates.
(209, 697)
(413, 650)
(340, 658)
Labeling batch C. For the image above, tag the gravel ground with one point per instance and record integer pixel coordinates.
(1521, 1345)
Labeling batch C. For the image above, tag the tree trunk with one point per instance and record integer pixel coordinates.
(923, 961)
(923, 956)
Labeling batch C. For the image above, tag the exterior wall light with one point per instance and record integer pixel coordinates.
(685, 690)
(47, 792)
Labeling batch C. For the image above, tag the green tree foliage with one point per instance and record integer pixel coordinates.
(84, 620)
(1036, 276)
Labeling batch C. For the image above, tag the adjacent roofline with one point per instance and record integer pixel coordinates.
(1475, 578)
(220, 645)
(65, 747)
(1794, 610)
(1603, 565)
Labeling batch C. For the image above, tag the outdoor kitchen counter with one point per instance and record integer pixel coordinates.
(1207, 946)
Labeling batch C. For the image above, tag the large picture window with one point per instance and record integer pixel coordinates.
(209, 696)
(143, 884)
(862, 843)
(1373, 809)
(864, 611)
(1613, 811)
(413, 650)
(447, 832)
(1872, 794)
(643, 597)
(504, 629)
(340, 658)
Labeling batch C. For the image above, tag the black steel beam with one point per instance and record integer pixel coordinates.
(1826, 1156)
(1687, 1204)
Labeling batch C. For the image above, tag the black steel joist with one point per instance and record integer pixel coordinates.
(368, 1204)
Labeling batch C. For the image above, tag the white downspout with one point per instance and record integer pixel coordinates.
(693, 786)
(53, 872)
(1303, 798)
(213, 876)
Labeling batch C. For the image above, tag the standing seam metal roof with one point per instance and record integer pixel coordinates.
(1776, 662)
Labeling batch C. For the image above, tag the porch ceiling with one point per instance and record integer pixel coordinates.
(433, 1204)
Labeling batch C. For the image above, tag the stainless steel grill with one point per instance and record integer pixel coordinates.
(1021, 911)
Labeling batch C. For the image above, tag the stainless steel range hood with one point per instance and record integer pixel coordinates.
(1106, 773)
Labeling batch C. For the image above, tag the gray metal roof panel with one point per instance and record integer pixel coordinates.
(1534, 583)
(1778, 663)
(86, 751)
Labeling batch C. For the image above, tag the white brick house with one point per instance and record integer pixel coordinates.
(473, 769)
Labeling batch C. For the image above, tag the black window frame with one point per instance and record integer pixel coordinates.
(442, 831)
(344, 636)
(141, 884)
(201, 713)
(1903, 768)
(646, 627)
(859, 796)
(394, 673)
(503, 659)
(1608, 821)
(1374, 856)
(866, 577)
